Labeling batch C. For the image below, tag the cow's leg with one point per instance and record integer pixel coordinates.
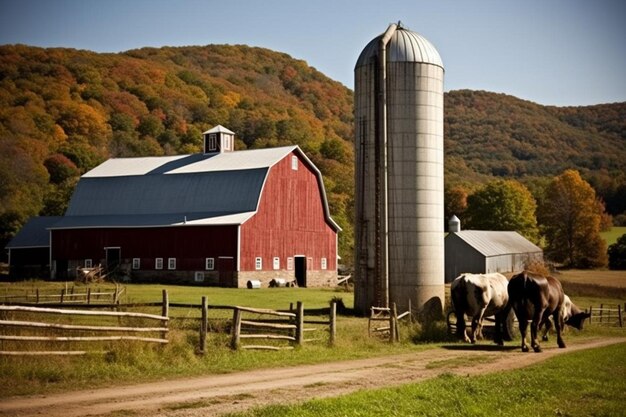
(558, 325)
(477, 323)
(461, 330)
(537, 317)
(546, 329)
(500, 319)
(523, 326)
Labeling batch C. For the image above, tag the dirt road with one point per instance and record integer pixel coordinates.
(216, 394)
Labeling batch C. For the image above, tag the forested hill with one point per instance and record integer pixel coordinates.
(63, 111)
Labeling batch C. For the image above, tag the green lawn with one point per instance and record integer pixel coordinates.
(585, 383)
(612, 235)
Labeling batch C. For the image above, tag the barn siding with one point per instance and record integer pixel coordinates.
(290, 221)
(190, 245)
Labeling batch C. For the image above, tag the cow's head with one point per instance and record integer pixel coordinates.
(577, 320)
(572, 315)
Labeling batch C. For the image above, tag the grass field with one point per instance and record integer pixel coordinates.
(134, 362)
(612, 235)
(593, 385)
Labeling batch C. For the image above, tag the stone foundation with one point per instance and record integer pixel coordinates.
(314, 279)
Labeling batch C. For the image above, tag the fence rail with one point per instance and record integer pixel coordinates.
(607, 315)
(65, 296)
(43, 319)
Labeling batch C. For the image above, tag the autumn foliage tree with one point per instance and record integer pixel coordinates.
(570, 220)
(503, 205)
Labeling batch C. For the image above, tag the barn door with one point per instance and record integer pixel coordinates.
(226, 268)
(113, 257)
(300, 270)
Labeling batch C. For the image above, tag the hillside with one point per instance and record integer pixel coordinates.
(63, 111)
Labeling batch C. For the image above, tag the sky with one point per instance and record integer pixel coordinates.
(553, 52)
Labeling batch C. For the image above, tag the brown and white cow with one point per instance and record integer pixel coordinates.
(535, 298)
(479, 296)
(570, 315)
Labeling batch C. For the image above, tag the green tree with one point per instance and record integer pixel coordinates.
(617, 254)
(503, 205)
(570, 220)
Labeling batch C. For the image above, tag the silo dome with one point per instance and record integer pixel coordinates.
(404, 46)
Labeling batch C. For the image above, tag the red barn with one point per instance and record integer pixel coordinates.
(219, 218)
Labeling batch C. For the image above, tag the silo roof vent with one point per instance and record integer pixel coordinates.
(454, 224)
(404, 46)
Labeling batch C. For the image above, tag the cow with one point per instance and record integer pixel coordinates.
(479, 296)
(570, 315)
(535, 298)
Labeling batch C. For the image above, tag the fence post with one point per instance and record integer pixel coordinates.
(236, 330)
(410, 312)
(203, 326)
(88, 295)
(619, 315)
(165, 311)
(333, 322)
(62, 294)
(300, 323)
(393, 330)
(37, 296)
(601, 308)
(590, 313)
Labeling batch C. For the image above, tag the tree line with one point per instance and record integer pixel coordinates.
(64, 111)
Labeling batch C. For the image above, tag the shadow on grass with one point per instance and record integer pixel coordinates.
(480, 348)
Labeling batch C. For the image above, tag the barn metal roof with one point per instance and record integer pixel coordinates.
(153, 220)
(34, 234)
(203, 192)
(495, 243)
(227, 161)
(404, 46)
(194, 189)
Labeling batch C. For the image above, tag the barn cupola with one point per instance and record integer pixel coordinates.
(219, 140)
(454, 224)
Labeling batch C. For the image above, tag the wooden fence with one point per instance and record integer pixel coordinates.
(607, 315)
(289, 327)
(390, 317)
(47, 330)
(65, 296)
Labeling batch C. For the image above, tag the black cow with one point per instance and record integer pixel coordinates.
(535, 298)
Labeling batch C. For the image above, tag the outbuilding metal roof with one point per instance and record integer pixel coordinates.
(34, 234)
(404, 46)
(495, 243)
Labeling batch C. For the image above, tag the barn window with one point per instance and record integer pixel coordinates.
(227, 142)
(88, 263)
(276, 264)
(324, 263)
(209, 264)
(171, 263)
(258, 263)
(199, 276)
(294, 162)
(158, 263)
(290, 264)
(136, 263)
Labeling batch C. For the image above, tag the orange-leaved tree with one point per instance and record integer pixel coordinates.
(570, 221)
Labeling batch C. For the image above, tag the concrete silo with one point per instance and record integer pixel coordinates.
(399, 173)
